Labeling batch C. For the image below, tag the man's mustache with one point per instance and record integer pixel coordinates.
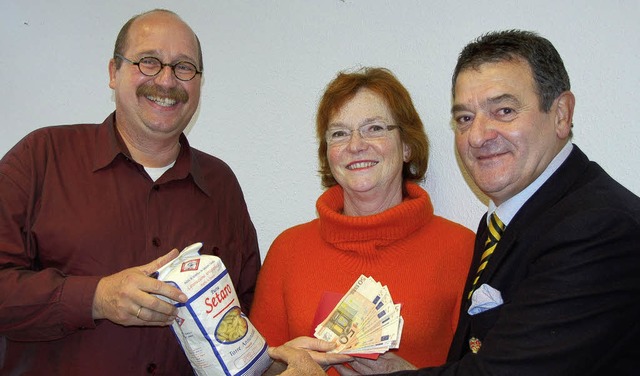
(176, 93)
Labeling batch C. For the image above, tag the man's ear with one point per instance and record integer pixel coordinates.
(112, 73)
(563, 109)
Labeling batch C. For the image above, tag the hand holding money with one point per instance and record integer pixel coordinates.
(365, 321)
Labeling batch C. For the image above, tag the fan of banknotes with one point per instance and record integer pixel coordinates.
(365, 321)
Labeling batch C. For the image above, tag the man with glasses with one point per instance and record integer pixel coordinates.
(88, 213)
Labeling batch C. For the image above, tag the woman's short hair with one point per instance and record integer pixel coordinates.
(382, 82)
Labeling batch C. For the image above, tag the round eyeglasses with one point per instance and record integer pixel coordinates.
(341, 135)
(151, 66)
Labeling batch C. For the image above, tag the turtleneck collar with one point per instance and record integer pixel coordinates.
(372, 231)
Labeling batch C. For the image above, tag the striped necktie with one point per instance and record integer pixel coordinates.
(496, 227)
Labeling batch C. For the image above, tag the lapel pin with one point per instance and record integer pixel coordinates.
(474, 344)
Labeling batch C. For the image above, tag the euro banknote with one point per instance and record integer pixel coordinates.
(365, 321)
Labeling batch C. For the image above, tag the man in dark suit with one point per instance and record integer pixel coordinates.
(560, 292)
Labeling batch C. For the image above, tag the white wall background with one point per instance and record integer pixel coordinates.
(267, 62)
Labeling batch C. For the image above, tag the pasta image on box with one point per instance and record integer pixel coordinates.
(215, 335)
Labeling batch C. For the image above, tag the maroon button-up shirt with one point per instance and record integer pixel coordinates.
(74, 208)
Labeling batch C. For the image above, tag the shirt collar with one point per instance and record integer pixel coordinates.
(110, 146)
(508, 209)
(107, 145)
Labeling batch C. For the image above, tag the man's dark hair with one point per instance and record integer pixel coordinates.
(549, 73)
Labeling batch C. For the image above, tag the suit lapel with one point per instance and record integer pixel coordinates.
(533, 210)
(459, 345)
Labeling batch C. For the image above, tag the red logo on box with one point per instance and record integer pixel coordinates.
(190, 265)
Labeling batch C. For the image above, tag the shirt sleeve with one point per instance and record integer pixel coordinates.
(35, 303)
(250, 260)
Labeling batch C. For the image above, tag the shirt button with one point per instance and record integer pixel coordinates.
(156, 187)
(151, 368)
(156, 241)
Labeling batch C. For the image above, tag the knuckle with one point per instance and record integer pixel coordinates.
(154, 305)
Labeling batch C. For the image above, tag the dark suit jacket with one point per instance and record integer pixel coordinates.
(568, 268)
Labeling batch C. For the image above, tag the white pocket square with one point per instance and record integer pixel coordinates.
(484, 298)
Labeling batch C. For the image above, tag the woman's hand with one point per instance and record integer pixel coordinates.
(304, 356)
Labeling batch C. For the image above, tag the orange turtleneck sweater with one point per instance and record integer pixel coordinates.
(422, 258)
